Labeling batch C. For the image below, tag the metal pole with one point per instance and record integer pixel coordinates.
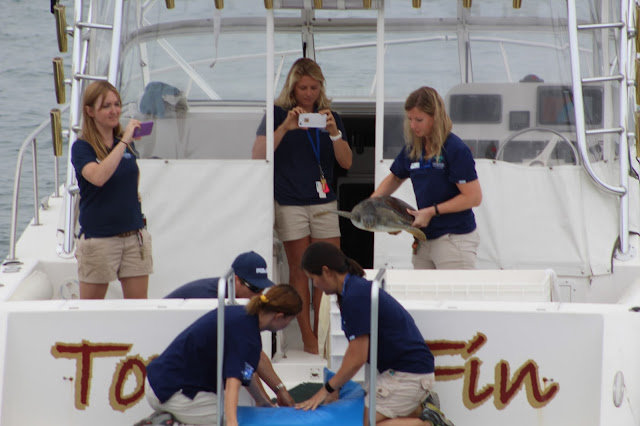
(222, 288)
(34, 158)
(56, 177)
(379, 281)
(114, 62)
(623, 137)
(74, 120)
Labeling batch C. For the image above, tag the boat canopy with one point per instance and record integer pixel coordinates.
(545, 113)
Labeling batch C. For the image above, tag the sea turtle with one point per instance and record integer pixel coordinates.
(387, 214)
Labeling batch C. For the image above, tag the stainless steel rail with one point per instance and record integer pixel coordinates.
(29, 141)
(226, 281)
(379, 281)
(577, 81)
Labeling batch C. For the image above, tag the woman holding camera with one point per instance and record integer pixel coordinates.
(304, 159)
(113, 242)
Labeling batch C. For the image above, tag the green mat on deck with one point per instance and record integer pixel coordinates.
(303, 391)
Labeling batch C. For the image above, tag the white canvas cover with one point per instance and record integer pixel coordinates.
(206, 212)
(531, 218)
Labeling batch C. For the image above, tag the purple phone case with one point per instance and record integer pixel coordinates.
(144, 129)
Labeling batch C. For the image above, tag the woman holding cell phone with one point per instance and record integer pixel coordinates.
(304, 159)
(113, 242)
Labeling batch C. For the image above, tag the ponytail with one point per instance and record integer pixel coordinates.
(321, 254)
(281, 298)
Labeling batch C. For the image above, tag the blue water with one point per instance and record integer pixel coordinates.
(27, 45)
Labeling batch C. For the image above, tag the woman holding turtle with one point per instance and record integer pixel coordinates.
(445, 183)
(304, 159)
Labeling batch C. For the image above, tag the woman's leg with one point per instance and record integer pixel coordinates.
(93, 291)
(135, 287)
(298, 279)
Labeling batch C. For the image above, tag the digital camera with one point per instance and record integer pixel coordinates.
(314, 120)
(144, 129)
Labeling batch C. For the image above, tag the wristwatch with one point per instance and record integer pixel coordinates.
(336, 137)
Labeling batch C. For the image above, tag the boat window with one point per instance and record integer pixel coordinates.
(555, 105)
(475, 108)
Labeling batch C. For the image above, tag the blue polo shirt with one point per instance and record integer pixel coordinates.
(434, 181)
(401, 346)
(189, 363)
(205, 288)
(113, 208)
(296, 169)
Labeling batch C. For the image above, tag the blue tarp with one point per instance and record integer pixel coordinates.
(348, 410)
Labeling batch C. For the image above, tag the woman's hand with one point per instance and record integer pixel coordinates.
(312, 403)
(422, 216)
(284, 399)
(127, 135)
(332, 127)
(291, 122)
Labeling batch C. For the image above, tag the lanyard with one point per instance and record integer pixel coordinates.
(316, 150)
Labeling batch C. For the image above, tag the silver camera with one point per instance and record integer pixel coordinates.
(313, 120)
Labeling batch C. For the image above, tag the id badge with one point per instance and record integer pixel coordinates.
(325, 187)
(320, 189)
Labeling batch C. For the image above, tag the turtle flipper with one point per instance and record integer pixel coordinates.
(416, 232)
(348, 215)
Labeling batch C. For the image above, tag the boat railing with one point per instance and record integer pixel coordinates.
(29, 141)
(379, 281)
(627, 31)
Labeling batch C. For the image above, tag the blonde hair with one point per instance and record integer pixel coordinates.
(427, 100)
(93, 92)
(281, 298)
(302, 67)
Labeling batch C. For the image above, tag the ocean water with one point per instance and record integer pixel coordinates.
(27, 45)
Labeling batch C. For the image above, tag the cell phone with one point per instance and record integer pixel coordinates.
(312, 120)
(144, 129)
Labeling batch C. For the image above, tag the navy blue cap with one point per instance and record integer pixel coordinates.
(252, 268)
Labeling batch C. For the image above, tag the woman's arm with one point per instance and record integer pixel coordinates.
(470, 196)
(341, 148)
(268, 375)
(231, 391)
(388, 186)
(259, 150)
(99, 173)
(257, 392)
(354, 358)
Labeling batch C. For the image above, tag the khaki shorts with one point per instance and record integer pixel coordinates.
(102, 260)
(450, 251)
(203, 409)
(296, 222)
(400, 393)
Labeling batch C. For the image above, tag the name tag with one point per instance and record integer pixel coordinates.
(414, 166)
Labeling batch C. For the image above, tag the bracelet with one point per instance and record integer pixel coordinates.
(328, 387)
(435, 206)
(336, 137)
(279, 386)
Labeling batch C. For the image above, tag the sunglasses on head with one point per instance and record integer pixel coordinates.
(251, 287)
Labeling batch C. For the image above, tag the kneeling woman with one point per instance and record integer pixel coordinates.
(182, 380)
(405, 363)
